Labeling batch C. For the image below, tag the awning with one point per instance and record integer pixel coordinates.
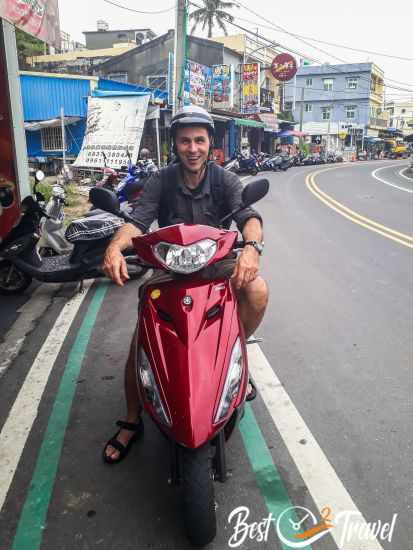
(220, 118)
(270, 121)
(51, 123)
(248, 122)
(293, 133)
(115, 93)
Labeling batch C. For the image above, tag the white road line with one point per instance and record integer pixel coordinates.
(32, 310)
(318, 474)
(24, 411)
(374, 174)
(405, 177)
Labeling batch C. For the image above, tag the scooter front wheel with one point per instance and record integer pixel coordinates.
(198, 495)
(12, 280)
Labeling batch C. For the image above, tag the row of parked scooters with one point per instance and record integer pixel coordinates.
(259, 162)
(40, 247)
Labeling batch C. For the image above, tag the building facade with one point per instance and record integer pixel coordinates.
(338, 105)
(401, 116)
(104, 37)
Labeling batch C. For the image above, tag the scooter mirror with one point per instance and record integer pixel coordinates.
(104, 199)
(254, 191)
(40, 175)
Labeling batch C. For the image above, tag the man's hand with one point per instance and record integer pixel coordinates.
(114, 265)
(246, 268)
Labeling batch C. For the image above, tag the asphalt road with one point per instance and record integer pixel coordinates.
(337, 335)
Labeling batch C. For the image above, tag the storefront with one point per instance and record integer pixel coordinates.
(249, 135)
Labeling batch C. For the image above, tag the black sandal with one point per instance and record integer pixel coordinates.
(123, 450)
(253, 393)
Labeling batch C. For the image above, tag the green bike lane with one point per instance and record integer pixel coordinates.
(63, 496)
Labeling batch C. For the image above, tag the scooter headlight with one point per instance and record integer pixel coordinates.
(232, 383)
(185, 259)
(151, 389)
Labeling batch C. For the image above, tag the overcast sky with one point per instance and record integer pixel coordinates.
(365, 24)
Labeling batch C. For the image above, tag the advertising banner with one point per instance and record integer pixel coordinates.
(9, 199)
(250, 88)
(222, 86)
(114, 125)
(197, 85)
(39, 18)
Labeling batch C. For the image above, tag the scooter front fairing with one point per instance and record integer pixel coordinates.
(187, 332)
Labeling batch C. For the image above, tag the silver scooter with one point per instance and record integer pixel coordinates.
(52, 235)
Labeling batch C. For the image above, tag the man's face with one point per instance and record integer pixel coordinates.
(192, 145)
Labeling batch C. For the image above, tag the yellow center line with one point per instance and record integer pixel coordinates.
(367, 223)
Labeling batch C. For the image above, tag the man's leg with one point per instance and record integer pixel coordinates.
(252, 303)
(133, 402)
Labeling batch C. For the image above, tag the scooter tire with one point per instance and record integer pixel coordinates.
(254, 172)
(198, 495)
(19, 282)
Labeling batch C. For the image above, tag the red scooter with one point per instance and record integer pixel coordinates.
(192, 360)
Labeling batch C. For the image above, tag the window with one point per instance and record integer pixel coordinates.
(328, 84)
(403, 111)
(119, 77)
(123, 37)
(309, 83)
(51, 138)
(326, 113)
(308, 108)
(351, 111)
(352, 82)
(288, 106)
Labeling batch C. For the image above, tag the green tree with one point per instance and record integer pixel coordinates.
(212, 13)
(27, 46)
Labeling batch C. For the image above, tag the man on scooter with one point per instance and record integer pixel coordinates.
(193, 190)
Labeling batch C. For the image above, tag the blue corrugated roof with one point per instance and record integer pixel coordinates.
(113, 85)
(44, 96)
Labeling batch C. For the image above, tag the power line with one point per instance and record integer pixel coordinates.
(306, 56)
(138, 11)
(298, 37)
(341, 46)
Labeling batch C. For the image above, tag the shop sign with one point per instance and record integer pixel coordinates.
(267, 99)
(284, 67)
(40, 18)
(197, 84)
(222, 86)
(114, 125)
(250, 88)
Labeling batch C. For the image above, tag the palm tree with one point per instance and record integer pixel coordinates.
(213, 12)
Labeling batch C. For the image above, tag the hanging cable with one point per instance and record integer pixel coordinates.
(139, 11)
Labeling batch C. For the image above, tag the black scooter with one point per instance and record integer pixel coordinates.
(21, 262)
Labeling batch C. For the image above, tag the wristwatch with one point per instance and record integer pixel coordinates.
(259, 247)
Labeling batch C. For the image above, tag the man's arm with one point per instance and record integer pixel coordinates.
(144, 212)
(248, 263)
(114, 264)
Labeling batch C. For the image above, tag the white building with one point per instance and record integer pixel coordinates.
(401, 115)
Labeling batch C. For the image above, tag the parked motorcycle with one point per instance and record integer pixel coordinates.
(52, 240)
(281, 162)
(192, 365)
(20, 261)
(241, 163)
(131, 186)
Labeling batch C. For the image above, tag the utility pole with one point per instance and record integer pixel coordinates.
(302, 109)
(179, 54)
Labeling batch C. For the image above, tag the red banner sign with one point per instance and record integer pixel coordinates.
(283, 67)
(39, 18)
